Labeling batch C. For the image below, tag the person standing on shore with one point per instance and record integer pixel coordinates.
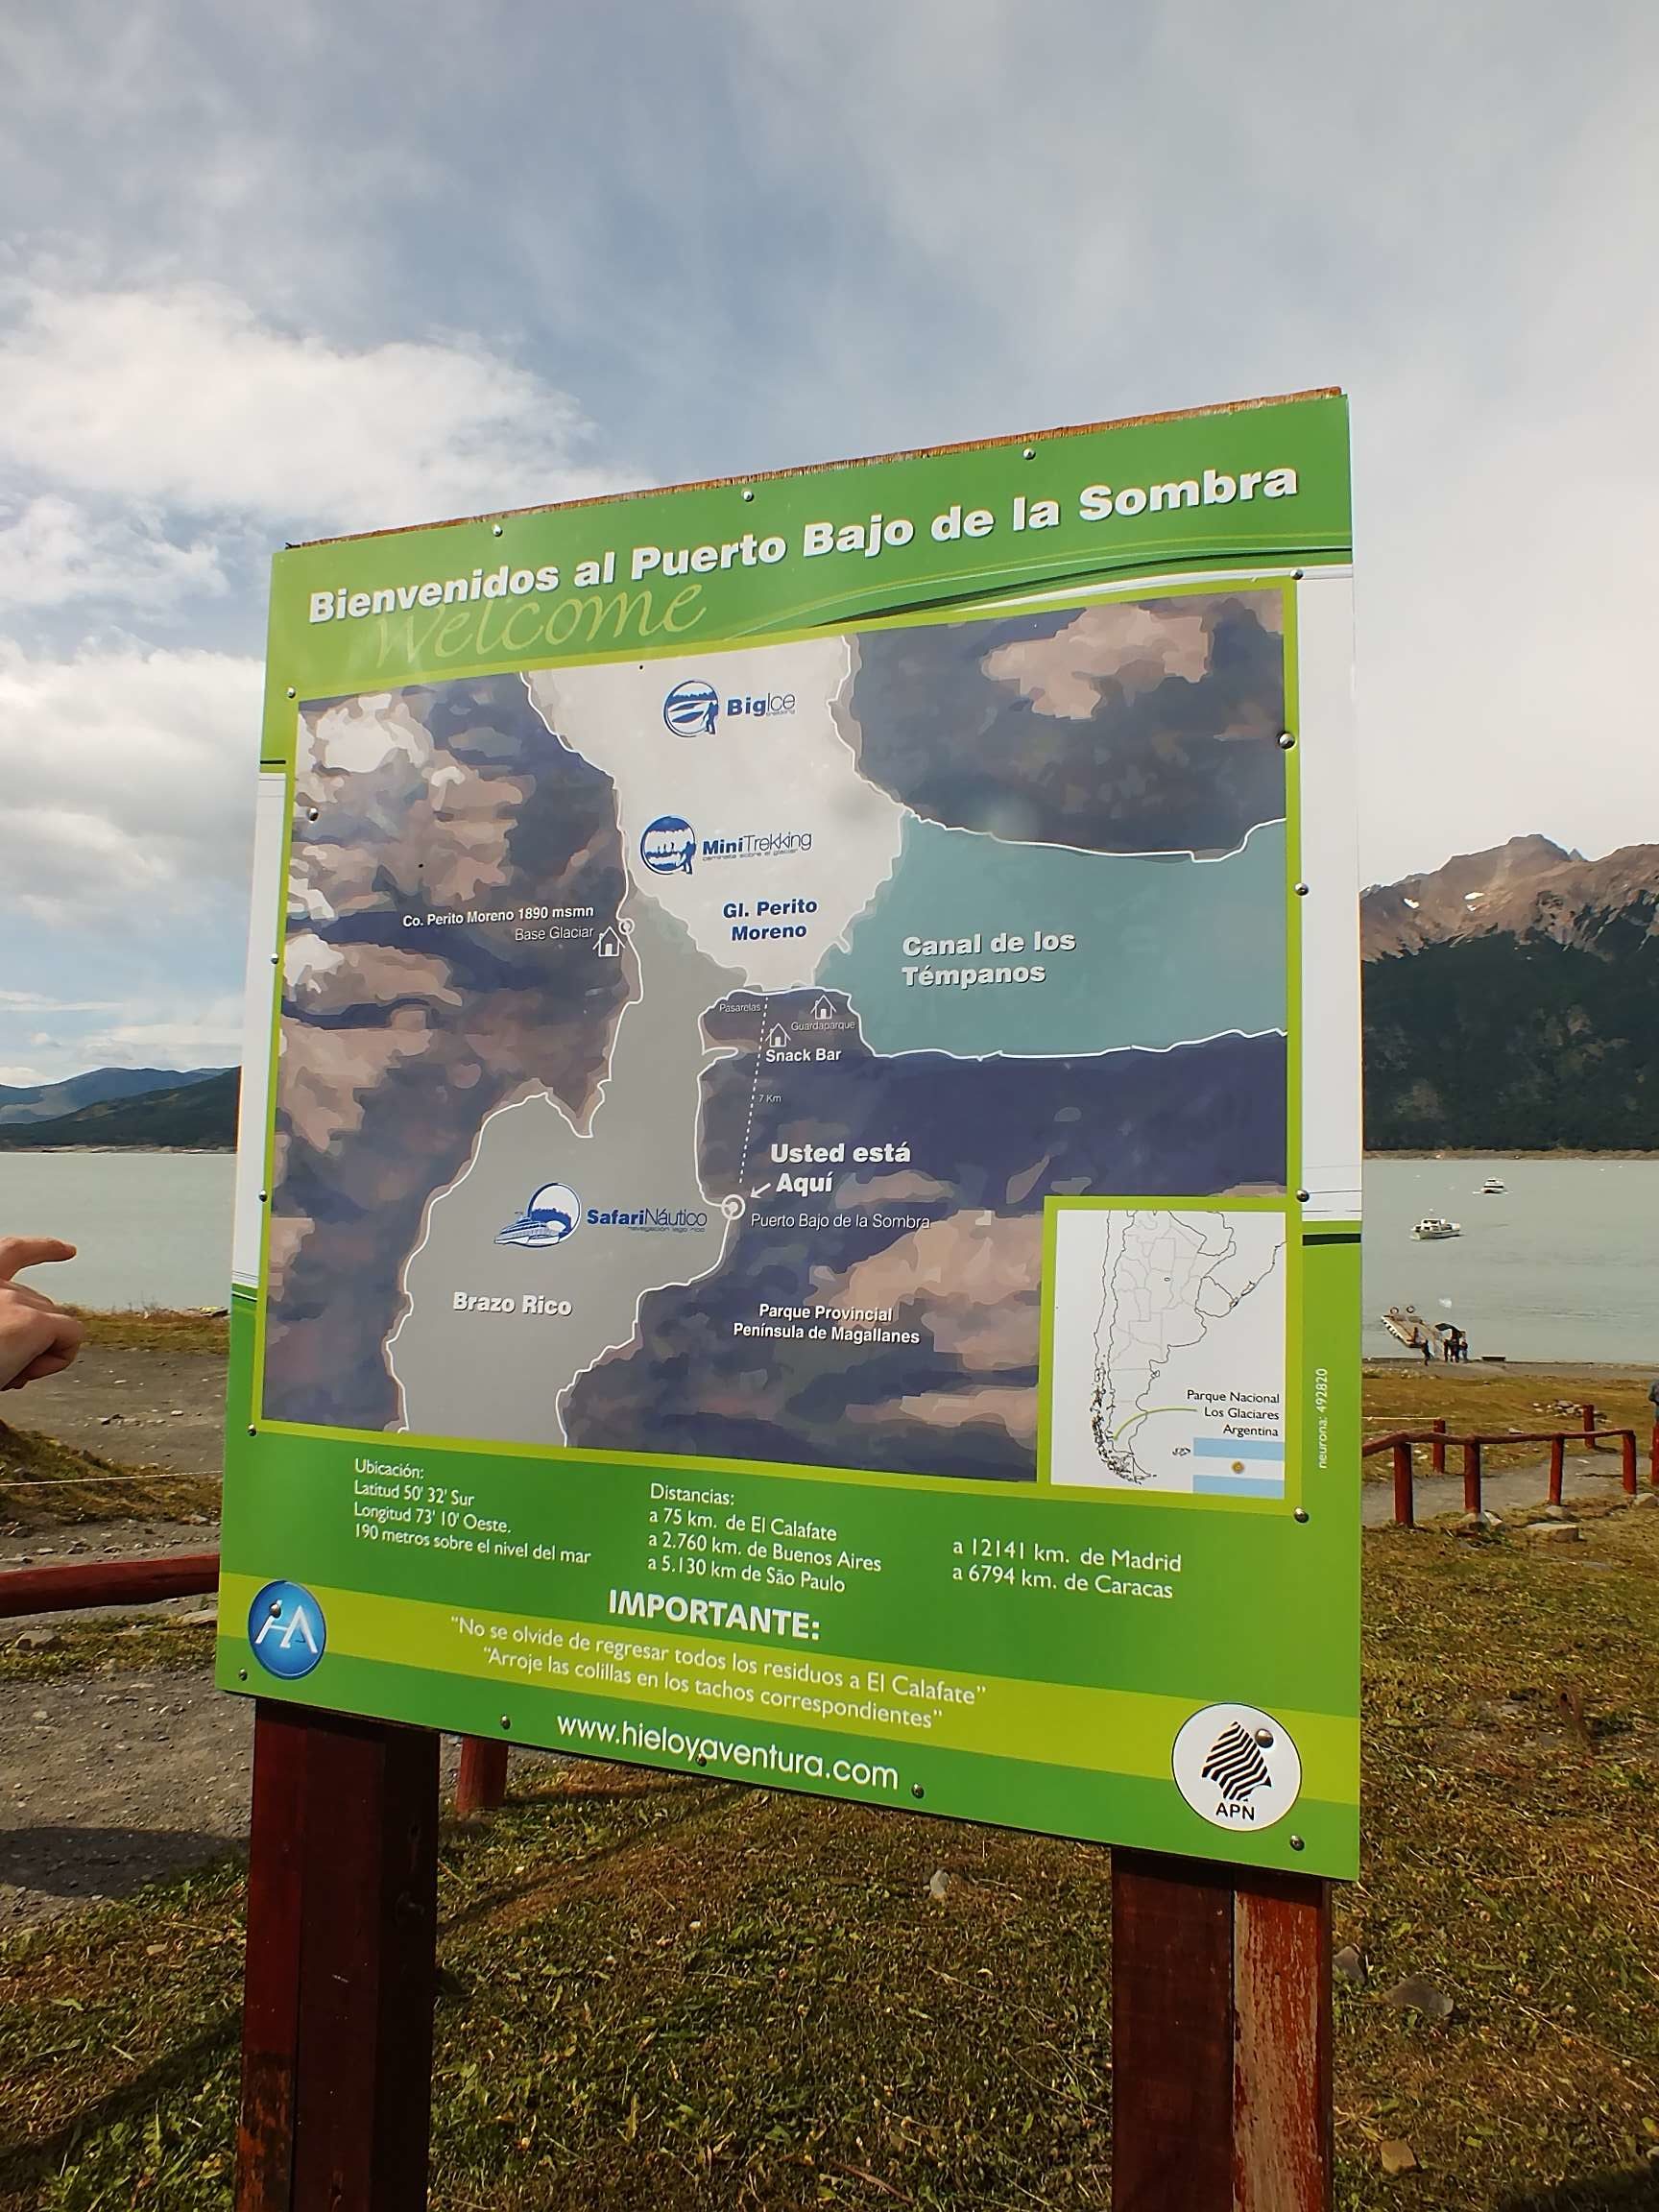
(37, 1337)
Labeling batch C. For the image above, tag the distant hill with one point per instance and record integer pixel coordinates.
(1512, 1002)
(46, 1101)
(198, 1114)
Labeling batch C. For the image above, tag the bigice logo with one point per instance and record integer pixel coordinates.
(1236, 1767)
(287, 1630)
(692, 708)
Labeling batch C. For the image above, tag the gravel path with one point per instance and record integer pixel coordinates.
(1513, 1490)
(146, 1408)
(111, 1781)
(114, 1780)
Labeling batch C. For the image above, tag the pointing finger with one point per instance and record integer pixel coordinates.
(19, 1252)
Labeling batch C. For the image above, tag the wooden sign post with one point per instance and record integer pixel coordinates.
(1221, 2039)
(342, 1945)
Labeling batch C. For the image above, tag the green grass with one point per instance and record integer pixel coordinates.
(98, 1648)
(1490, 1401)
(1513, 1861)
(662, 1994)
(156, 1329)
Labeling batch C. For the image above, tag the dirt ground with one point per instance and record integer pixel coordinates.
(110, 1778)
(113, 1780)
(159, 1409)
(119, 1762)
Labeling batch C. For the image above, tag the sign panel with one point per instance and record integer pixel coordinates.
(799, 1169)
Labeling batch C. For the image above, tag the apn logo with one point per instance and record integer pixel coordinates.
(692, 708)
(1236, 1767)
(286, 1629)
(551, 1216)
(668, 846)
(1235, 1764)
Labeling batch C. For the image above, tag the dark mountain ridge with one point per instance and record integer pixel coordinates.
(47, 1101)
(1512, 1002)
(198, 1114)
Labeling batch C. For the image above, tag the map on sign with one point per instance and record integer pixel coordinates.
(1167, 1368)
(678, 1056)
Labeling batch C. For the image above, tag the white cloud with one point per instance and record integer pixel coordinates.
(39, 1002)
(187, 398)
(209, 1037)
(128, 784)
(158, 1033)
(53, 550)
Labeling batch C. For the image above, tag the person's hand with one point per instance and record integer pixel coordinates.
(35, 1337)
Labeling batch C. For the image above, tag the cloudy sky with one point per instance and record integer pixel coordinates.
(280, 273)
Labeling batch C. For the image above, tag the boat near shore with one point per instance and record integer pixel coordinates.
(1406, 1326)
(1444, 1339)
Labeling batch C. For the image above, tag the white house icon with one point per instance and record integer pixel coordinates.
(823, 1011)
(777, 1041)
(607, 945)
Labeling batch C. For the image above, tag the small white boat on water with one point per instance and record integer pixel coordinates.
(1492, 1187)
(1435, 1228)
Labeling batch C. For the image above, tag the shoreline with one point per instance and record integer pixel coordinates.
(1475, 1152)
(136, 1151)
(1472, 1369)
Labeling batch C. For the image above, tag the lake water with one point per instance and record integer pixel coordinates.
(1562, 1267)
(151, 1228)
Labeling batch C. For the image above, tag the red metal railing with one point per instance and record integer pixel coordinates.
(1401, 1444)
(482, 1781)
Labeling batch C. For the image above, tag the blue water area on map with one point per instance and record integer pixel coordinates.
(1168, 948)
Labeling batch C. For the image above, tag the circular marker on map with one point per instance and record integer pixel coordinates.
(734, 1207)
(626, 925)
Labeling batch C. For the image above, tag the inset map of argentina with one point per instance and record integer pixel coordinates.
(1168, 1356)
(692, 1083)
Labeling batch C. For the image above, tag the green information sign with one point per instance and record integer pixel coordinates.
(799, 1186)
